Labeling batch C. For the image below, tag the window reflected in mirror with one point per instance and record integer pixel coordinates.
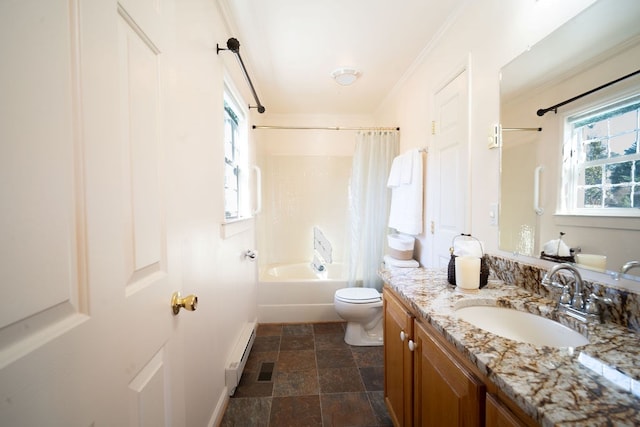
(601, 163)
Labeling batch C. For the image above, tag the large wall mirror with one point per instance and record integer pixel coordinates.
(575, 170)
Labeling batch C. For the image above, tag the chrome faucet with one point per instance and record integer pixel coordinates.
(629, 265)
(577, 301)
(575, 306)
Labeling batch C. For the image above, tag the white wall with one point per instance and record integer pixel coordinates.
(487, 34)
(301, 192)
(200, 259)
(305, 178)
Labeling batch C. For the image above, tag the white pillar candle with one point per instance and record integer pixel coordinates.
(468, 272)
(594, 262)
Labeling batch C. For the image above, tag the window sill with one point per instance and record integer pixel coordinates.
(236, 226)
(613, 222)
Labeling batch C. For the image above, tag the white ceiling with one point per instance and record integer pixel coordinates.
(290, 48)
(600, 31)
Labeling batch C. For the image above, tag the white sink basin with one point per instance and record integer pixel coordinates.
(520, 326)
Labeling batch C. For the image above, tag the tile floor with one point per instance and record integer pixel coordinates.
(317, 380)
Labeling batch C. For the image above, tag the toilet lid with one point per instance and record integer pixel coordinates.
(358, 295)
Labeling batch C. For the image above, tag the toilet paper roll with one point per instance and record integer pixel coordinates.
(468, 272)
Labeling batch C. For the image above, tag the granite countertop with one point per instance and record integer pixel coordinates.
(592, 385)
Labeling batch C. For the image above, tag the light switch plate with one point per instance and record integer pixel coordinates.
(494, 137)
(493, 214)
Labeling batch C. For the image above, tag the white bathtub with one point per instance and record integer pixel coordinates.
(292, 293)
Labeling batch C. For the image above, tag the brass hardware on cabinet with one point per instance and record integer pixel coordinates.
(189, 302)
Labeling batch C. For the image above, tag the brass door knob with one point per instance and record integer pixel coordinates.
(189, 303)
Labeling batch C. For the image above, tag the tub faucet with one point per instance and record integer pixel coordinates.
(318, 265)
(629, 265)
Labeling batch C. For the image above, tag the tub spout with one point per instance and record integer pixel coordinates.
(318, 265)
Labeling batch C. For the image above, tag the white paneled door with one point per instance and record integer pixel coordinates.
(449, 168)
(86, 329)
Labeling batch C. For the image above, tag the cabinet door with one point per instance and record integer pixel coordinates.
(398, 365)
(445, 392)
(500, 416)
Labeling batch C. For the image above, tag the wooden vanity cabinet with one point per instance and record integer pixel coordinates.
(498, 415)
(427, 382)
(446, 393)
(398, 360)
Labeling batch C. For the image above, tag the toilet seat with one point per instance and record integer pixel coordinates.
(358, 295)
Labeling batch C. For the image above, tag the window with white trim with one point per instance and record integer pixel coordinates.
(601, 160)
(235, 159)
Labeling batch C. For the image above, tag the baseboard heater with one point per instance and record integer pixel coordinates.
(239, 356)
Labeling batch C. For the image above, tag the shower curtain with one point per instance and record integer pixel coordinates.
(369, 206)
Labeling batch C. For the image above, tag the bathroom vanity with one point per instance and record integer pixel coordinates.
(443, 371)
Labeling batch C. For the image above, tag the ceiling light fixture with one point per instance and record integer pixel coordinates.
(345, 76)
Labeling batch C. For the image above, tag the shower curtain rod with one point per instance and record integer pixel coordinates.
(523, 129)
(234, 46)
(324, 128)
(541, 112)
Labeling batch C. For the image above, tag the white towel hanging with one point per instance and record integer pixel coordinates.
(406, 198)
(406, 174)
(395, 173)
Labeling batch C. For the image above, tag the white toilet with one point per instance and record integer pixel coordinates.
(362, 309)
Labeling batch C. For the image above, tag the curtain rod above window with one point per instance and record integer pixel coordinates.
(542, 111)
(233, 45)
(324, 128)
